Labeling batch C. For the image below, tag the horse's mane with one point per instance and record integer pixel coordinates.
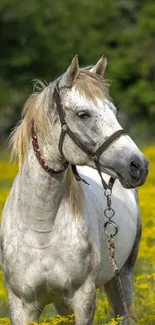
(33, 110)
(36, 109)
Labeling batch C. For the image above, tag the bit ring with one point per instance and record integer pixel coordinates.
(112, 223)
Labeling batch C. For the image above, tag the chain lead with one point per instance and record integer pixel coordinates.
(109, 214)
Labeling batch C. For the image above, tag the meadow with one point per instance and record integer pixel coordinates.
(144, 276)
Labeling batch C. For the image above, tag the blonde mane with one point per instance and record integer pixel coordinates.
(36, 109)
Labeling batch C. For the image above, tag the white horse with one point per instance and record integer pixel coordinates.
(53, 243)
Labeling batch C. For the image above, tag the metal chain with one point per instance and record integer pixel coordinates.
(109, 214)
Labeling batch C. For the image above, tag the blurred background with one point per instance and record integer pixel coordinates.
(40, 37)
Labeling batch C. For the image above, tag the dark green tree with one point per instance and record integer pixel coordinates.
(39, 38)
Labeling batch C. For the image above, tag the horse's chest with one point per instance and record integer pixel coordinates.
(58, 263)
(67, 261)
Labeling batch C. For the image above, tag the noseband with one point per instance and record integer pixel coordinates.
(66, 130)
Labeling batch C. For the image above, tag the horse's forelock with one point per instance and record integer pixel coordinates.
(91, 85)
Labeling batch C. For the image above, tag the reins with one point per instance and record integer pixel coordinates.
(109, 211)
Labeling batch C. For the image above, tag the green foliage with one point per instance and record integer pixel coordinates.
(39, 38)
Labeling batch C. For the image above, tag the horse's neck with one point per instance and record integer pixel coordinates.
(40, 193)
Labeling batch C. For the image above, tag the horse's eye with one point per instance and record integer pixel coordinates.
(83, 114)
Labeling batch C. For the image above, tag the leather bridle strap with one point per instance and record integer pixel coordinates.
(95, 155)
(108, 142)
(104, 146)
(65, 128)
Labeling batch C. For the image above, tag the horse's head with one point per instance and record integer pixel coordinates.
(91, 115)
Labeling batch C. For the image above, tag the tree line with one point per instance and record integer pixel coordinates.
(40, 37)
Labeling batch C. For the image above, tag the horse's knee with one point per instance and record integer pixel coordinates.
(84, 304)
(22, 312)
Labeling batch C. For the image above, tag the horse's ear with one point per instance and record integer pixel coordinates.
(100, 66)
(71, 73)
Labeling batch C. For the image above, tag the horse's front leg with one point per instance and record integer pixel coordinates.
(83, 304)
(20, 311)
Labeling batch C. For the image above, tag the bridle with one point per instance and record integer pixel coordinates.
(66, 130)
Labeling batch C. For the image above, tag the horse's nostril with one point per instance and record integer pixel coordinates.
(134, 166)
(138, 168)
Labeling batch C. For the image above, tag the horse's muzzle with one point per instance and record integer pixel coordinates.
(136, 173)
(138, 169)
